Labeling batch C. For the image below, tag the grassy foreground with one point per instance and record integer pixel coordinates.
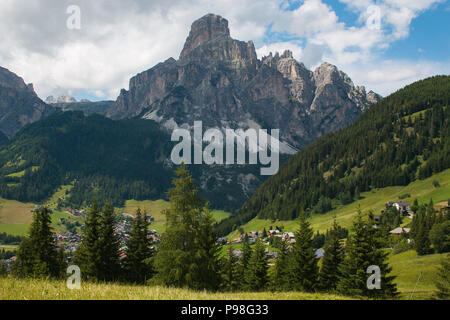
(30, 289)
(406, 266)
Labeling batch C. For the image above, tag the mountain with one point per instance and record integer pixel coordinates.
(220, 81)
(106, 159)
(403, 138)
(87, 107)
(19, 104)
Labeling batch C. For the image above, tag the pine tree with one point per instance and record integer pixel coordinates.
(303, 262)
(38, 255)
(421, 237)
(230, 272)
(329, 272)
(364, 249)
(88, 257)
(109, 246)
(137, 264)
(280, 280)
(188, 253)
(244, 260)
(207, 253)
(443, 280)
(256, 273)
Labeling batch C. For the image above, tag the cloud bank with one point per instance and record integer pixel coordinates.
(118, 39)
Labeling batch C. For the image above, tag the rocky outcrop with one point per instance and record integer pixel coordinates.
(19, 104)
(220, 81)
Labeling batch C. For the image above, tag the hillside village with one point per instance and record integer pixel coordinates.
(71, 241)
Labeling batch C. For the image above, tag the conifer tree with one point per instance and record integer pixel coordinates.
(280, 280)
(207, 253)
(137, 264)
(443, 280)
(303, 262)
(256, 272)
(364, 249)
(38, 255)
(421, 233)
(230, 272)
(244, 260)
(109, 246)
(329, 272)
(87, 257)
(188, 253)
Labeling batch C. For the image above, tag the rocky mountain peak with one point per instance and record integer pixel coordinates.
(220, 81)
(19, 104)
(11, 80)
(205, 29)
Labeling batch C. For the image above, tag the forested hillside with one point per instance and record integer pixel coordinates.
(111, 160)
(398, 140)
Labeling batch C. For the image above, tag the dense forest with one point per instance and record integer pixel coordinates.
(108, 160)
(398, 140)
(114, 160)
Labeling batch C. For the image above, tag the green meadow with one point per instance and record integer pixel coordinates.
(374, 200)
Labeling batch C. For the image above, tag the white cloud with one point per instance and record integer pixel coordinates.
(121, 38)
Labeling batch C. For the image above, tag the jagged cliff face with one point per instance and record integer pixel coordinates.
(221, 82)
(19, 104)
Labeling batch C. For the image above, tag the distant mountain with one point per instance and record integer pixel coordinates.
(110, 160)
(87, 107)
(19, 104)
(60, 99)
(404, 137)
(221, 82)
(106, 159)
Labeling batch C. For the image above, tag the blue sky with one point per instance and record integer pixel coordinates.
(118, 39)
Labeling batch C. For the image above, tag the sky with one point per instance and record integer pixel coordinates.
(90, 49)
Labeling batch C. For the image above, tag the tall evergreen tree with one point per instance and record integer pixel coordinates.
(244, 260)
(137, 264)
(421, 235)
(38, 255)
(230, 271)
(329, 272)
(188, 253)
(364, 249)
(303, 262)
(256, 273)
(88, 256)
(109, 246)
(280, 280)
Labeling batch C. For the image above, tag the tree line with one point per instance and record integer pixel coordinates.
(403, 138)
(190, 257)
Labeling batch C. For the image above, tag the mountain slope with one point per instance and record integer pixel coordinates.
(398, 140)
(19, 104)
(112, 160)
(220, 81)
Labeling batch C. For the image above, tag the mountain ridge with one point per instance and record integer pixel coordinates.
(403, 138)
(221, 81)
(19, 104)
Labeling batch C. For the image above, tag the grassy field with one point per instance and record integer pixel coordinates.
(374, 200)
(15, 212)
(14, 289)
(16, 217)
(8, 247)
(406, 266)
(155, 208)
